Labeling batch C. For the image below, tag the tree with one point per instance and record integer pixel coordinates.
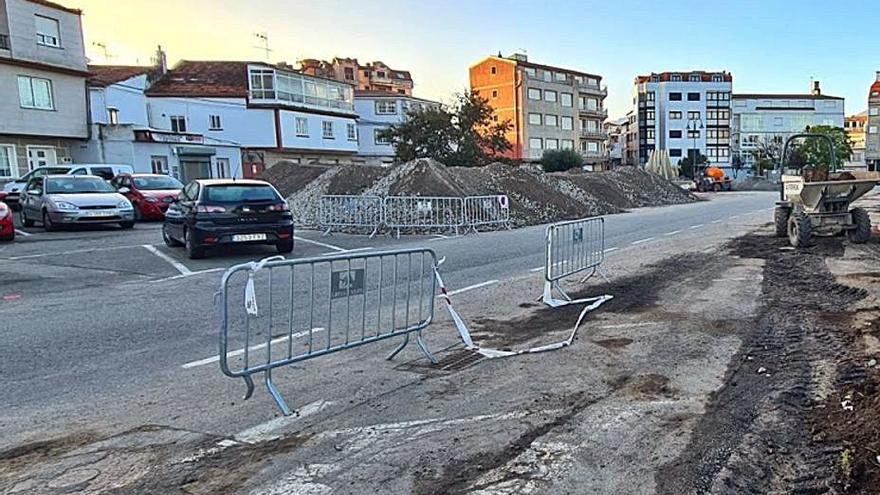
(466, 134)
(687, 164)
(766, 153)
(816, 152)
(560, 160)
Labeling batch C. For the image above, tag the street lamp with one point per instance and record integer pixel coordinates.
(692, 125)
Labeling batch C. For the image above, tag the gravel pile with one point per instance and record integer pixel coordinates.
(289, 177)
(423, 177)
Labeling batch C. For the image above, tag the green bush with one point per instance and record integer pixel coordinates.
(560, 160)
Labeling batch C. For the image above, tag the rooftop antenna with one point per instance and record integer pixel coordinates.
(264, 39)
(104, 50)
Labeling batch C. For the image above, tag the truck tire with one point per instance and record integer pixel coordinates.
(800, 229)
(780, 220)
(862, 231)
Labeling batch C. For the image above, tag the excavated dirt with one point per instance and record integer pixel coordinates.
(289, 177)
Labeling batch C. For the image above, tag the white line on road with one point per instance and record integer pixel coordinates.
(263, 432)
(630, 325)
(692, 227)
(642, 241)
(322, 244)
(611, 249)
(471, 287)
(537, 269)
(735, 216)
(717, 221)
(75, 251)
(673, 232)
(334, 253)
(238, 352)
(171, 261)
(190, 274)
(442, 237)
(26, 234)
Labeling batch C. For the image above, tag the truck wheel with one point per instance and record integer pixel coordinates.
(800, 229)
(780, 220)
(716, 187)
(862, 233)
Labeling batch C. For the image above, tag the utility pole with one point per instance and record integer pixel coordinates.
(264, 39)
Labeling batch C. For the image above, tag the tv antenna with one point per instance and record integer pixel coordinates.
(264, 40)
(104, 50)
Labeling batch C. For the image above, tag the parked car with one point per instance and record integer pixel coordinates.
(7, 226)
(105, 171)
(56, 200)
(222, 212)
(13, 188)
(150, 194)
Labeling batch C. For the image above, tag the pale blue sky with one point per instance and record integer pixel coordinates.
(770, 46)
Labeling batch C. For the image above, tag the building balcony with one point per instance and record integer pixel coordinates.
(268, 97)
(584, 133)
(4, 42)
(592, 154)
(595, 112)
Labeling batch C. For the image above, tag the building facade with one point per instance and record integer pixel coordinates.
(683, 113)
(548, 107)
(374, 76)
(872, 130)
(761, 117)
(42, 85)
(855, 126)
(614, 144)
(377, 111)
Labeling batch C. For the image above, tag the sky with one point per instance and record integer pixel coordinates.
(770, 46)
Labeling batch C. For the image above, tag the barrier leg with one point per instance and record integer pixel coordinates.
(399, 348)
(375, 231)
(424, 347)
(603, 275)
(276, 394)
(249, 382)
(326, 232)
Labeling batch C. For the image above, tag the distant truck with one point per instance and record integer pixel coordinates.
(712, 179)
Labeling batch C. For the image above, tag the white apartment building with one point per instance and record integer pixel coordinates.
(377, 111)
(760, 117)
(683, 113)
(872, 129)
(42, 85)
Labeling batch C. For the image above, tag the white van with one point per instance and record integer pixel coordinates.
(105, 171)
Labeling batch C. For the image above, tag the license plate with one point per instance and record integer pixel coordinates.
(100, 213)
(248, 237)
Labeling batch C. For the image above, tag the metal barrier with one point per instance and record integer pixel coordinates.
(350, 211)
(277, 312)
(572, 247)
(421, 212)
(486, 210)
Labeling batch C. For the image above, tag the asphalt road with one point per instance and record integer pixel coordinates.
(98, 327)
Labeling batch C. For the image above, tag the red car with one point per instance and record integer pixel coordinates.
(7, 228)
(151, 194)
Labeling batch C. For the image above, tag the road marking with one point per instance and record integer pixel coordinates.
(641, 241)
(75, 251)
(470, 287)
(692, 227)
(239, 352)
(171, 261)
(26, 234)
(347, 251)
(442, 237)
(611, 249)
(717, 221)
(735, 216)
(673, 232)
(537, 269)
(322, 244)
(190, 274)
(630, 325)
(263, 432)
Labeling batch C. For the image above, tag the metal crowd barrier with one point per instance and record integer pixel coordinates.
(277, 312)
(572, 247)
(423, 212)
(486, 210)
(350, 211)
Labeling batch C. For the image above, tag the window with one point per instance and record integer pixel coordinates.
(535, 119)
(567, 99)
(560, 76)
(35, 92)
(674, 96)
(651, 96)
(378, 139)
(47, 31)
(178, 123)
(159, 164)
(348, 73)
(222, 168)
(302, 127)
(694, 78)
(327, 128)
(693, 115)
(215, 124)
(531, 71)
(567, 144)
(676, 78)
(649, 133)
(8, 166)
(674, 134)
(717, 78)
(549, 95)
(548, 76)
(493, 70)
(386, 107)
(674, 115)
(112, 115)
(351, 132)
(874, 111)
(380, 74)
(567, 123)
(592, 147)
(650, 114)
(40, 156)
(494, 94)
(675, 152)
(551, 144)
(551, 120)
(263, 84)
(655, 78)
(590, 126)
(872, 129)
(777, 121)
(694, 134)
(536, 143)
(534, 94)
(693, 96)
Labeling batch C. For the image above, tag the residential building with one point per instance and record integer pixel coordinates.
(760, 117)
(378, 110)
(616, 132)
(42, 85)
(548, 107)
(631, 139)
(855, 126)
(374, 76)
(872, 131)
(684, 113)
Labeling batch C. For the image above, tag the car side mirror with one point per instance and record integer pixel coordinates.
(35, 192)
(124, 190)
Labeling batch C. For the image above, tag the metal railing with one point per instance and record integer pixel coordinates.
(572, 247)
(277, 312)
(423, 212)
(486, 210)
(350, 211)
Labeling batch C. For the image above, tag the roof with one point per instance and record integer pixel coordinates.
(525, 63)
(875, 87)
(212, 78)
(705, 76)
(53, 5)
(364, 93)
(106, 75)
(790, 96)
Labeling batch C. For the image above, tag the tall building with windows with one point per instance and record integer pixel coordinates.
(42, 85)
(872, 130)
(855, 126)
(683, 113)
(377, 111)
(548, 107)
(374, 76)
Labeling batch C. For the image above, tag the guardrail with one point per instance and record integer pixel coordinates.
(350, 211)
(423, 212)
(486, 210)
(277, 312)
(572, 247)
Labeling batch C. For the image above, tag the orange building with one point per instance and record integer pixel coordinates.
(548, 107)
(375, 76)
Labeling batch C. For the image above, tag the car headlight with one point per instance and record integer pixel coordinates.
(64, 205)
(124, 205)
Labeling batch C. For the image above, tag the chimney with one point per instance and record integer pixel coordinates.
(878, 75)
(161, 61)
(817, 91)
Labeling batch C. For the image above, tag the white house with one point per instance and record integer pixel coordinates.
(378, 110)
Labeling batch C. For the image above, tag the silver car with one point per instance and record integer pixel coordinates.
(56, 200)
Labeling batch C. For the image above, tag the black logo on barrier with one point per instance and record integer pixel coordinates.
(577, 235)
(346, 283)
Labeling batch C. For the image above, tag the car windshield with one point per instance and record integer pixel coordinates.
(156, 183)
(77, 185)
(240, 193)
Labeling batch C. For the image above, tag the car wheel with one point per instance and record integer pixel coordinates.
(126, 225)
(193, 252)
(25, 221)
(169, 241)
(47, 222)
(284, 247)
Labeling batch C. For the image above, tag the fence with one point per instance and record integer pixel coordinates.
(278, 312)
(486, 210)
(350, 211)
(572, 247)
(423, 212)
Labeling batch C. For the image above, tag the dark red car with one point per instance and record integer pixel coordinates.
(151, 194)
(7, 228)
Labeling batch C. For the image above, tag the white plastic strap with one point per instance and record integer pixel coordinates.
(250, 294)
